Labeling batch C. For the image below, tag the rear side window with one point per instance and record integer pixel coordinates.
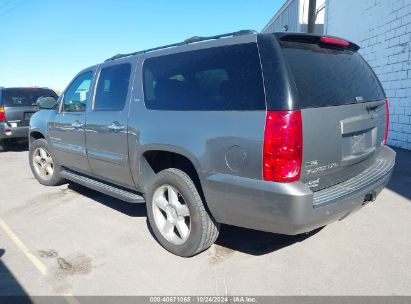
(112, 87)
(327, 77)
(25, 97)
(221, 78)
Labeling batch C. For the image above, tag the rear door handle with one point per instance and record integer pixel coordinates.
(116, 127)
(77, 124)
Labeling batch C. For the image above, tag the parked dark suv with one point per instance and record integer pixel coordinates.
(277, 132)
(17, 105)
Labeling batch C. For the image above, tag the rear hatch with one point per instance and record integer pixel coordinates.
(343, 108)
(20, 104)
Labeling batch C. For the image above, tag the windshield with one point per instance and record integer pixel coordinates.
(328, 77)
(24, 97)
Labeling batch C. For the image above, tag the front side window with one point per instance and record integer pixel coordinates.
(77, 95)
(112, 87)
(214, 79)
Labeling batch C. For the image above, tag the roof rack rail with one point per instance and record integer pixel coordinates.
(187, 41)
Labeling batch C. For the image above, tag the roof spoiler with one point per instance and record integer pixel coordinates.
(326, 41)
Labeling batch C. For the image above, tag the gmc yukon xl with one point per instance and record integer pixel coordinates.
(282, 132)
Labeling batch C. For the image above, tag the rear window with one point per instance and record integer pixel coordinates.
(221, 78)
(24, 97)
(326, 77)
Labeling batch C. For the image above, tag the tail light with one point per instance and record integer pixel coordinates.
(2, 114)
(283, 144)
(387, 121)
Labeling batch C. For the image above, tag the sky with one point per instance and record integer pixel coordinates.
(46, 42)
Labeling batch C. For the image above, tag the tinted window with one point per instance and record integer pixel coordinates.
(24, 97)
(77, 94)
(325, 77)
(112, 87)
(223, 78)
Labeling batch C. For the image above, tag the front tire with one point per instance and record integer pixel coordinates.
(42, 164)
(177, 214)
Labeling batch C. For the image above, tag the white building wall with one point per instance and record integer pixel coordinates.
(382, 28)
(294, 14)
(287, 15)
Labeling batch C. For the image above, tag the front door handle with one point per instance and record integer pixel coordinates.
(116, 127)
(77, 124)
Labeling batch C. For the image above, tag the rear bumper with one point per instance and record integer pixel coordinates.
(292, 208)
(18, 132)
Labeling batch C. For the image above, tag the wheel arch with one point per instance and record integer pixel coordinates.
(154, 159)
(35, 134)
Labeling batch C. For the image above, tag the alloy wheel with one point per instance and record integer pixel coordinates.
(171, 214)
(43, 163)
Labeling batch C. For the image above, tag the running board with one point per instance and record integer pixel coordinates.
(102, 187)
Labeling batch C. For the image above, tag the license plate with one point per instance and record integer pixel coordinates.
(27, 116)
(13, 124)
(358, 143)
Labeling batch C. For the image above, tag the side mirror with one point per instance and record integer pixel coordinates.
(46, 102)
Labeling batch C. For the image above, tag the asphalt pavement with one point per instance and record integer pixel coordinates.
(72, 241)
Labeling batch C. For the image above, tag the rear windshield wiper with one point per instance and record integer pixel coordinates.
(374, 105)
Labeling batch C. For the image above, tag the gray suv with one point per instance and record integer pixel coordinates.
(17, 105)
(279, 132)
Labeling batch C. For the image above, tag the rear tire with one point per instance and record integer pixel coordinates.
(177, 214)
(43, 165)
(2, 146)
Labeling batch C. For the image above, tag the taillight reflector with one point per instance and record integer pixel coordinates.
(334, 41)
(283, 144)
(2, 114)
(387, 121)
